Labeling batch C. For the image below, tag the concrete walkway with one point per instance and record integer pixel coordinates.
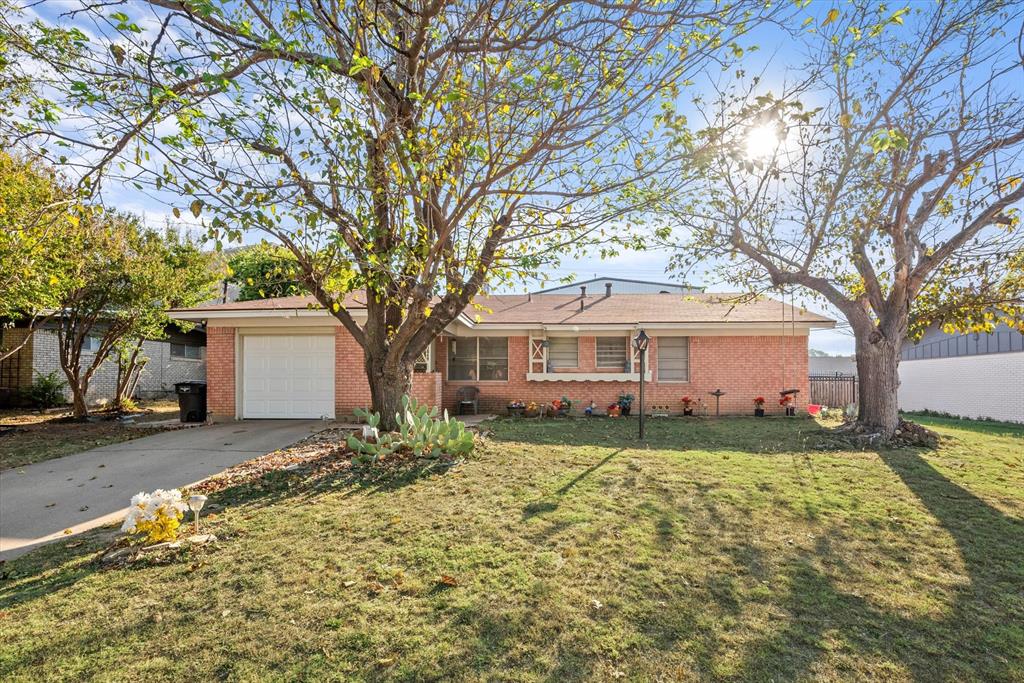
(79, 492)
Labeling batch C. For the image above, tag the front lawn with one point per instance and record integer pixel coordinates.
(728, 549)
(29, 436)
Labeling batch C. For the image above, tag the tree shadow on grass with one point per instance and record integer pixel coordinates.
(549, 503)
(979, 637)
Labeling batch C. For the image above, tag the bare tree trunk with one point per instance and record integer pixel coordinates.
(389, 381)
(878, 359)
(128, 371)
(79, 389)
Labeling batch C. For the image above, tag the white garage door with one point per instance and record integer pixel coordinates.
(288, 376)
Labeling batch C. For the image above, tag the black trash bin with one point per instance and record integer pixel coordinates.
(191, 401)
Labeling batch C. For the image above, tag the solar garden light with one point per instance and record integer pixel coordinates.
(195, 504)
(641, 342)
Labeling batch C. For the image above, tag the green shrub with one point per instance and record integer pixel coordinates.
(47, 391)
(419, 429)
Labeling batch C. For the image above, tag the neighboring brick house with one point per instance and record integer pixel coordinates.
(179, 358)
(288, 358)
(977, 375)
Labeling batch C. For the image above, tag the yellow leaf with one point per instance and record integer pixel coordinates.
(832, 15)
(844, 120)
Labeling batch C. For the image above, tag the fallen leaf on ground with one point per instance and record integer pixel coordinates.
(448, 580)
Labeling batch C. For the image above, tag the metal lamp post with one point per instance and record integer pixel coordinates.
(640, 342)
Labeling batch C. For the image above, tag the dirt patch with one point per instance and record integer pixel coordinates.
(30, 437)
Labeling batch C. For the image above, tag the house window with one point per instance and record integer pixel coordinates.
(612, 352)
(673, 359)
(425, 362)
(91, 344)
(186, 352)
(473, 358)
(563, 352)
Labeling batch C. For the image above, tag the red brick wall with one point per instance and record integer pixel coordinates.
(743, 367)
(352, 390)
(220, 372)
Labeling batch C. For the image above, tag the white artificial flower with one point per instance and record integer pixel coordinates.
(148, 506)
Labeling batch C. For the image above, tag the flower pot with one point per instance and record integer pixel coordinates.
(614, 412)
(687, 411)
(562, 412)
(515, 411)
(625, 410)
(790, 411)
(758, 412)
(531, 413)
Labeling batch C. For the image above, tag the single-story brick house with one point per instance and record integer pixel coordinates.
(287, 358)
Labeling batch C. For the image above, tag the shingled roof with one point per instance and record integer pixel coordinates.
(554, 309)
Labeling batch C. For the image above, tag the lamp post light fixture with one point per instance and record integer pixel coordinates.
(195, 504)
(641, 342)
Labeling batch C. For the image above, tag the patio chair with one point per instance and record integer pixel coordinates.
(468, 398)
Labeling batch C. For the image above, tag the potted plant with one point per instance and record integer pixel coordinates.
(614, 410)
(562, 406)
(625, 403)
(759, 406)
(532, 409)
(787, 403)
(589, 410)
(516, 408)
(687, 402)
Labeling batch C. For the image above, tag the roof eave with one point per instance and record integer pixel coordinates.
(199, 314)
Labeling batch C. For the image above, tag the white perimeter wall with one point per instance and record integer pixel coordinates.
(971, 386)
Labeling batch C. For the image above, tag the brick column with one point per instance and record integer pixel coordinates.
(220, 372)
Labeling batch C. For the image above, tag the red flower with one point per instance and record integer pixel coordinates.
(759, 401)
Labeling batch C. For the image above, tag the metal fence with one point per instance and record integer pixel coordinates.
(1002, 341)
(833, 390)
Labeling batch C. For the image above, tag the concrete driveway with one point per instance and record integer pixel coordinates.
(79, 492)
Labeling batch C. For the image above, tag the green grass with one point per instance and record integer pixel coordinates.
(723, 550)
